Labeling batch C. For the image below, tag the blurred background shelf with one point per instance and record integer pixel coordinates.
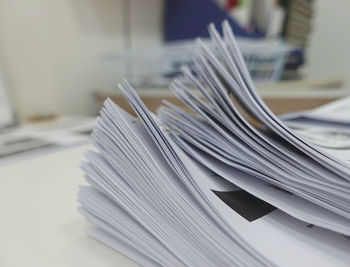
(56, 57)
(281, 97)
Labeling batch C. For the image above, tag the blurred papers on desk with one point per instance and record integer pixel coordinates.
(327, 126)
(332, 115)
(34, 139)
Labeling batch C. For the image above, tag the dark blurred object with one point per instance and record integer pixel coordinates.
(295, 60)
(188, 19)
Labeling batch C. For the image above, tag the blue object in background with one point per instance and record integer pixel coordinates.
(295, 59)
(188, 19)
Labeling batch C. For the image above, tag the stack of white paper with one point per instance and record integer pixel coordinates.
(212, 188)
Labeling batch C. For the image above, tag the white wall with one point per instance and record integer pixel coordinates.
(329, 49)
(52, 49)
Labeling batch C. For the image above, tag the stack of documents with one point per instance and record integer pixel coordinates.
(227, 185)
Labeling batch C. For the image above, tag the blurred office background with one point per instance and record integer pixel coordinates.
(56, 55)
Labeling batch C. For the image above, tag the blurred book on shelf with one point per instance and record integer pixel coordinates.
(298, 23)
(296, 30)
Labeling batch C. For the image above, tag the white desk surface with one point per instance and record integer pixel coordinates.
(39, 221)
